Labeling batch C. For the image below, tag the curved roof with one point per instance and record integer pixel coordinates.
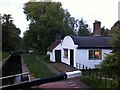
(92, 42)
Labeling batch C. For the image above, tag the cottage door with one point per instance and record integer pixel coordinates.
(72, 57)
(58, 55)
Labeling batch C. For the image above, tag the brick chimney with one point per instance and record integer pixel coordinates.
(97, 28)
(58, 36)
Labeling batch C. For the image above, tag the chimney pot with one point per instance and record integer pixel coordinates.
(97, 28)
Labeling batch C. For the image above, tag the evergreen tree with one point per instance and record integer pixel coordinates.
(83, 29)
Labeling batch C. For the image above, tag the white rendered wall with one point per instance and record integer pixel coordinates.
(52, 53)
(58, 47)
(67, 44)
(51, 56)
(82, 57)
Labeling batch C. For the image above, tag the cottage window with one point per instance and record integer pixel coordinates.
(95, 54)
(65, 53)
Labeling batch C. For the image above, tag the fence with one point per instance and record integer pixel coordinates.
(96, 73)
(14, 79)
(39, 81)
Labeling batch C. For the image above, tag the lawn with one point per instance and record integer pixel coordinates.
(38, 69)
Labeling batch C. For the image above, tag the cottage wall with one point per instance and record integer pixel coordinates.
(67, 44)
(51, 56)
(82, 57)
(52, 53)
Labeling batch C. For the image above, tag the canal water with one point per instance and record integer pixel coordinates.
(12, 67)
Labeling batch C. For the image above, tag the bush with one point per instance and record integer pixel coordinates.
(94, 82)
(90, 81)
(47, 58)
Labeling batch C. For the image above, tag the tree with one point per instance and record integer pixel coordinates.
(83, 29)
(105, 31)
(46, 19)
(111, 64)
(10, 34)
(114, 28)
(70, 23)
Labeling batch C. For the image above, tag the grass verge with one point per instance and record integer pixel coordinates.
(4, 55)
(45, 58)
(94, 82)
(38, 69)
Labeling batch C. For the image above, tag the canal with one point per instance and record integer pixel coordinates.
(12, 66)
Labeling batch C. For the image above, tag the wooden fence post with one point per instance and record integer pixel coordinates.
(96, 72)
(100, 78)
(83, 69)
(79, 66)
(105, 81)
(89, 72)
(111, 85)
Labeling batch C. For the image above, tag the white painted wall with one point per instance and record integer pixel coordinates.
(67, 44)
(51, 56)
(82, 57)
(52, 53)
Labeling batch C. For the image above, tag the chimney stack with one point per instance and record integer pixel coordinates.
(97, 28)
(58, 36)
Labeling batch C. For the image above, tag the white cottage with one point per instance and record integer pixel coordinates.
(81, 50)
(54, 50)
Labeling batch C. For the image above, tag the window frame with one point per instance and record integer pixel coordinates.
(92, 55)
(65, 51)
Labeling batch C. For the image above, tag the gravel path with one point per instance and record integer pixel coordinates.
(25, 68)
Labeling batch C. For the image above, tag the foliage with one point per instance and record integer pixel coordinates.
(105, 31)
(38, 69)
(47, 19)
(94, 82)
(46, 58)
(10, 34)
(83, 29)
(4, 54)
(111, 64)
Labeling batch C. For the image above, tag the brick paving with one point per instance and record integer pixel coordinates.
(63, 67)
(69, 83)
(55, 85)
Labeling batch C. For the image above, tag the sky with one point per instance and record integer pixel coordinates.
(105, 11)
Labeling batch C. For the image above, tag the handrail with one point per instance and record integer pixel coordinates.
(15, 75)
(39, 81)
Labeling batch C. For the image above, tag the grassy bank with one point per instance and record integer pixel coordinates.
(94, 82)
(37, 68)
(4, 55)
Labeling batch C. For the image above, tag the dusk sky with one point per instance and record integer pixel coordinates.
(105, 11)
